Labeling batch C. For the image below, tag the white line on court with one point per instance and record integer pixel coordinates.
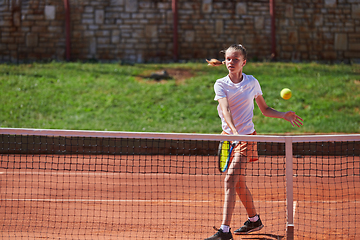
(93, 173)
(104, 200)
(330, 202)
(326, 175)
(119, 200)
(97, 173)
(294, 208)
(164, 201)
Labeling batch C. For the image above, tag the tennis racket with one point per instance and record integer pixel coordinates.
(224, 153)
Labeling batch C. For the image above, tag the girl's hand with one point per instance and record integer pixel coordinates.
(293, 118)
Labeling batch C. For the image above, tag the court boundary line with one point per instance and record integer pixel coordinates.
(97, 173)
(295, 203)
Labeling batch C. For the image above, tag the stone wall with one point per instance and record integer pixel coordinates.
(318, 30)
(142, 30)
(31, 30)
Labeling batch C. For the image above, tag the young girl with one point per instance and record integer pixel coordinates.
(236, 93)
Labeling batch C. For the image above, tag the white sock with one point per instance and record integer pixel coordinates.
(225, 228)
(254, 219)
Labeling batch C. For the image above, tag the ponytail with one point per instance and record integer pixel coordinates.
(214, 62)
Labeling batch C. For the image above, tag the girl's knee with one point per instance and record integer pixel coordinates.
(230, 182)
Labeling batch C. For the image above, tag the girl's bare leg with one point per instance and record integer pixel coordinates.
(245, 196)
(235, 183)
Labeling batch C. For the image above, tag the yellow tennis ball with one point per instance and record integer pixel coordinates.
(285, 93)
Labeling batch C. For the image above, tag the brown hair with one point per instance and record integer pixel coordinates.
(237, 48)
(234, 47)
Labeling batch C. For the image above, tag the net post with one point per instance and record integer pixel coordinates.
(289, 188)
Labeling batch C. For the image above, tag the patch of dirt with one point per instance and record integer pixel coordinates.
(177, 74)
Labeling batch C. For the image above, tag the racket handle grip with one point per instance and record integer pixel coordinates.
(234, 143)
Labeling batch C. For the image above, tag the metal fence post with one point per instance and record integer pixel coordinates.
(289, 188)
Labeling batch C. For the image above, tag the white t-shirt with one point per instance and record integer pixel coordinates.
(241, 102)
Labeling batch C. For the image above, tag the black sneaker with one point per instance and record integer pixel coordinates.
(220, 235)
(249, 227)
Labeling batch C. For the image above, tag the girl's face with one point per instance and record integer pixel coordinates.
(234, 61)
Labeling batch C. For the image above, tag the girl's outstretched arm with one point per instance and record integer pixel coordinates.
(267, 111)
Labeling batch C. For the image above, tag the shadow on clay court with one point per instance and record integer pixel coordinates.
(261, 236)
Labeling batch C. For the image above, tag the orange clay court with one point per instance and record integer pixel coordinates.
(171, 197)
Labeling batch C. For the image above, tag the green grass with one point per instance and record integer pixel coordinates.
(95, 96)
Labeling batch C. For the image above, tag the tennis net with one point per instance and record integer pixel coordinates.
(60, 184)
